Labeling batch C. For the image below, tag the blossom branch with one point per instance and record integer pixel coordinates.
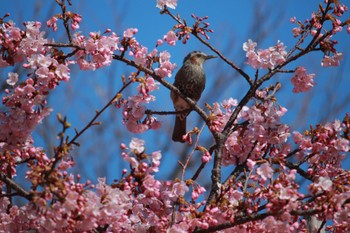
(195, 33)
(65, 19)
(151, 112)
(256, 217)
(20, 190)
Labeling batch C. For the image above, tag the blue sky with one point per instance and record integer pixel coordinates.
(233, 22)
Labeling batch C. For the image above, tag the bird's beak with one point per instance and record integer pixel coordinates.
(210, 57)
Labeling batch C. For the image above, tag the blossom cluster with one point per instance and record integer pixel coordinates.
(264, 58)
(144, 58)
(25, 101)
(166, 3)
(302, 81)
(98, 50)
(262, 193)
(323, 148)
(134, 109)
(74, 18)
(315, 27)
(264, 130)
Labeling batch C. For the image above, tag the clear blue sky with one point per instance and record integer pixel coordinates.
(234, 22)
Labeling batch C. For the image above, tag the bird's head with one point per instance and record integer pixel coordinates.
(197, 58)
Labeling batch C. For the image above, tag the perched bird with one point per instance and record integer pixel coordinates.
(190, 80)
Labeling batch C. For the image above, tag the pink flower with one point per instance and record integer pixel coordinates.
(169, 3)
(98, 50)
(197, 191)
(234, 196)
(180, 188)
(62, 72)
(324, 183)
(166, 68)
(159, 42)
(265, 58)
(76, 19)
(265, 171)
(288, 193)
(332, 61)
(52, 23)
(249, 46)
(250, 164)
(170, 38)
(156, 157)
(302, 81)
(296, 32)
(130, 32)
(137, 145)
(140, 56)
(206, 157)
(12, 78)
(152, 186)
(342, 144)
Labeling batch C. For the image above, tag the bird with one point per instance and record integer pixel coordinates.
(190, 80)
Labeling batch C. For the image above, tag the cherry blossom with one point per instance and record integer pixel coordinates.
(98, 50)
(166, 68)
(332, 61)
(302, 81)
(267, 58)
(261, 192)
(169, 3)
(265, 171)
(170, 38)
(12, 79)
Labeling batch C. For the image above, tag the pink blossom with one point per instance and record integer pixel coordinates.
(130, 32)
(180, 188)
(98, 50)
(52, 23)
(170, 38)
(197, 191)
(296, 32)
(302, 81)
(62, 72)
(156, 157)
(250, 164)
(265, 58)
(166, 68)
(131, 160)
(137, 145)
(341, 144)
(206, 157)
(332, 60)
(12, 78)
(265, 171)
(288, 193)
(234, 196)
(249, 46)
(169, 3)
(152, 186)
(324, 183)
(34, 41)
(342, 218)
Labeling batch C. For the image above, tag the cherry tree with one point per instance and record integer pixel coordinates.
(261, 192)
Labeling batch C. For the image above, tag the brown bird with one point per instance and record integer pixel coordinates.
(190, 80)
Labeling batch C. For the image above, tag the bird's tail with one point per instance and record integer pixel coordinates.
(179, 129)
